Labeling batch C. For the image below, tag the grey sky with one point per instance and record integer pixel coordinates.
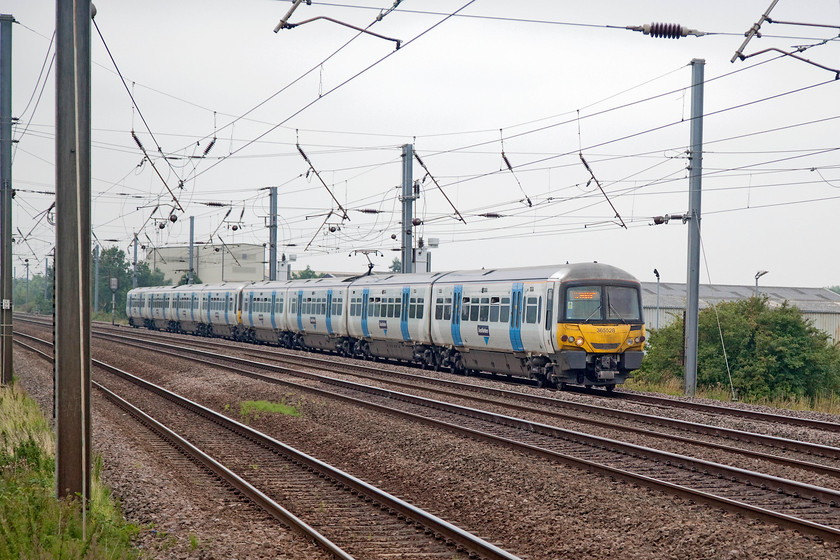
(771, 181)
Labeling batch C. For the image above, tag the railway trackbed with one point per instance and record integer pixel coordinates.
(346, 516)
(805, 456)
(805, 507)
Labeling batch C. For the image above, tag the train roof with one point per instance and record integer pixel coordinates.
(566, 272)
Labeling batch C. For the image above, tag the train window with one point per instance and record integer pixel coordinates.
(447, 309)
(494, 310)
(504, 310)
(420, 302)
(583, 303)
(376, 306)
(412, 308)
(389, 309)
(474, 309)
(484, 314)
(438, 309)
(531, 310)
(623, 304)
(465, 309)
(398, 308)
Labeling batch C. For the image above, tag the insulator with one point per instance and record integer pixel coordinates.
(416, 221)
(234, 227)
(369, 211)
(137, 140)
(209, 146)
(665, 30)
(173, 218)
(161, 225)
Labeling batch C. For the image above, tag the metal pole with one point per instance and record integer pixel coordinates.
(656, 272)
(272, 235)
(26, 261)
(407, 209)
(72, 250)
(192, 245)
(134, 272)
(96, 279)
(6, 198)
(694, 185)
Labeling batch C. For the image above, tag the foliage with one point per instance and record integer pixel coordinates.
(307, 273)
(835, 289)
(33, 524)
(396, 265)
(184, 280)
(252, 409)
(772, 352)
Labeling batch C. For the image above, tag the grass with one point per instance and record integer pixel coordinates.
(33, 523)
(251, 410)
(829, 403)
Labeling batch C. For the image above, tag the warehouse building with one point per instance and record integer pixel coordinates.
(820, 306)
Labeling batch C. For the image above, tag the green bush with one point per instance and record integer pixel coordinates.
(773, 352)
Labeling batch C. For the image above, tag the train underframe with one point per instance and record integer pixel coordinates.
(549, 370)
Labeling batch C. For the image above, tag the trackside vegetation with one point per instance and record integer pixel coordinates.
(774, 355)
(33, 523)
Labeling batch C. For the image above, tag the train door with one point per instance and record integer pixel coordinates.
(250, 299)
(300, 310)
(365, 330)
(272, 313)
(406, 292)
(329, 311)
(516, 317)
(456, 315)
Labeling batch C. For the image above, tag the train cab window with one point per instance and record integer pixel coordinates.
(447, 309)
(583, 303)
(504, 310)
(484, 313)
(623, 304)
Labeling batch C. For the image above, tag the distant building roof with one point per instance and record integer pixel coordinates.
(808, 300)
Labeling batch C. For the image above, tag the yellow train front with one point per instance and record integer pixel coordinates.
(600, 331)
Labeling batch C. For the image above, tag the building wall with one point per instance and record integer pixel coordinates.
(212, 263)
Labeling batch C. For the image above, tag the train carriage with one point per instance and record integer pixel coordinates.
(263, 316)
(219, 308)
(317, 314)
(389, 316)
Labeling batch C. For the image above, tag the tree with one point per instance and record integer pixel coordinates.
(185, 279)
(114, 264)
(396, 266)
(835, 289)
(772, 352)
(307, 273)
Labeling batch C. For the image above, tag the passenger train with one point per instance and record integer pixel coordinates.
(567, 324)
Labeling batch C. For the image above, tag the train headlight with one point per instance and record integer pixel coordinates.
(579, 341)
(564, 338)
(630, 341)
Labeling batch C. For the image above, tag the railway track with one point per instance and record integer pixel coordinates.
(815, 458)
(344, 515)
(807, 508)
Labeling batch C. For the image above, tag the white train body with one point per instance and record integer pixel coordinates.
(579, 323)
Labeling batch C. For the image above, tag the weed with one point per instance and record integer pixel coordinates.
(251, 410)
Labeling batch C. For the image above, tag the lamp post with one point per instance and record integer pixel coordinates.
(758, 275)
(656, 272)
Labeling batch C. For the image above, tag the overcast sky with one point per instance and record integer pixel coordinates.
(544, 81)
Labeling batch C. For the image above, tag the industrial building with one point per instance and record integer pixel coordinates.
(820, 306)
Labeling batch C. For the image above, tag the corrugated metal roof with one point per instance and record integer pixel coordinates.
(808, 300)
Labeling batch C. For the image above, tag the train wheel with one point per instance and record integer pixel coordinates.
(610, 388)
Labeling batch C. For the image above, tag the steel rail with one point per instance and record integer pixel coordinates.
(233, 480)
(440, 527)
(734, 474)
